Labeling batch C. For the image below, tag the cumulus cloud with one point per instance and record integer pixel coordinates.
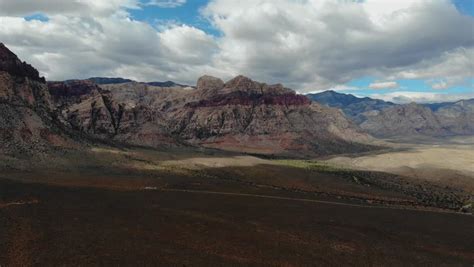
(80, 46)
(383, 85)
(321, 43)
(307, 45)
(454, 67)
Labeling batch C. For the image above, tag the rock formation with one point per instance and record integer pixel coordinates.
(240, 115)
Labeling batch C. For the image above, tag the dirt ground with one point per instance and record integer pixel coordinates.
(72, 226)
(129, 207)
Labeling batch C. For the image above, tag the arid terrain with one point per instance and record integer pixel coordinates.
(128, 206)
(448, 161)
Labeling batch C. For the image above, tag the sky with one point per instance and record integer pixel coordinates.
(396, 50)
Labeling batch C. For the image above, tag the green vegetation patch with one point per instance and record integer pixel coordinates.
(311, 165)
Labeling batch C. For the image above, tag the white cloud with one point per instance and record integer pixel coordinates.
(314, 44)
(306, 44)
(188, 45)
(383, 85)
(167, 3)
(421, 97)
(453, 67)
(80, 47)
(343, 87)
(440, 85)
(65, 7)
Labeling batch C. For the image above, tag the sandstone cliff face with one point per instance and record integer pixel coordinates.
(240, 115)
(244, 115)
(83, 107)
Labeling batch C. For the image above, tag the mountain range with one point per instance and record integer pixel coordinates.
(106, 80)
(385, 119)
(356, 108)
(239, 115)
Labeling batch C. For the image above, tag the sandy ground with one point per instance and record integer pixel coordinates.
(450, 162)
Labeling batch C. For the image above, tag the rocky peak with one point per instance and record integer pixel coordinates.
(243, 84)
(10, 63)
(207, 82)
(276, 89)
(246, 85)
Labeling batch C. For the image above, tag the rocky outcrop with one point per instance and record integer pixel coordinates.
(27, 120)
(10, 64)
(285, 124)
(207, 82)
(72, 91)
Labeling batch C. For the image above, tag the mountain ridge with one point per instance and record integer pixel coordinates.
(385, 119)
(119, 80)
(354, 107)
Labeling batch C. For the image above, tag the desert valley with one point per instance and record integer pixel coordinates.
(110, 171)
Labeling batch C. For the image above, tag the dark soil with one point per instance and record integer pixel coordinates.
(52, 225)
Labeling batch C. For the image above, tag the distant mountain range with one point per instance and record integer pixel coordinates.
(386, 119)
(355, 108)
(105, 80)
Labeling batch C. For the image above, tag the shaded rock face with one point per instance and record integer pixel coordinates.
(251, 99)
(122, 116)
(240, 115)
(27, 120)
(10, 63)
(71, 91)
